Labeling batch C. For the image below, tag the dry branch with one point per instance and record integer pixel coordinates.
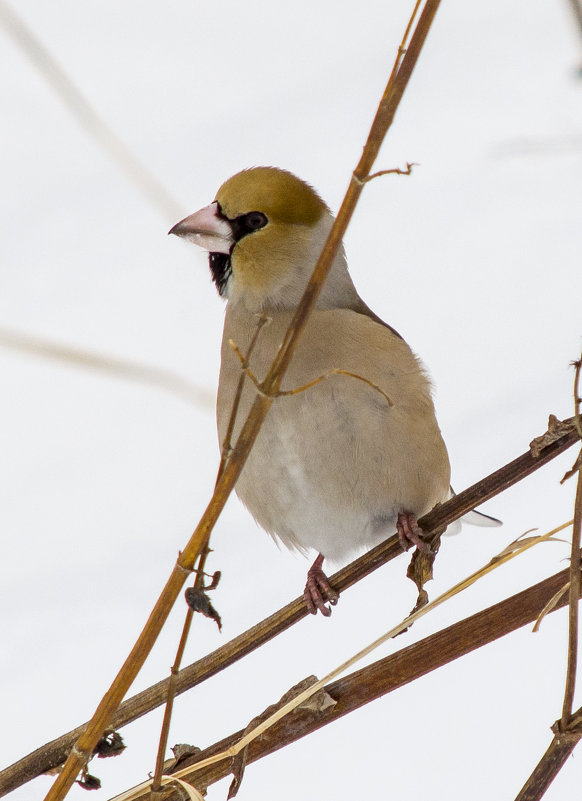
(54, 753)
(551, 763)
(388, 674)
(393, 93)
(568, 729)
(156, 377)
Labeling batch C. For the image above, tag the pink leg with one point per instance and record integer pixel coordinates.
(410, 533)
(318, 590)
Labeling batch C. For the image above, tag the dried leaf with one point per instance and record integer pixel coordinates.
(420, 569)
(214, 581)
(550, 605)
(521, 542)
(556, 430)
(318, 702)
(89, 782)
(574, 469)
(239, 761)
(181, 752)
(198, 601)
(110, 745)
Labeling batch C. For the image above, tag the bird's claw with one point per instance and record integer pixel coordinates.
(410, 533)
(318, 591)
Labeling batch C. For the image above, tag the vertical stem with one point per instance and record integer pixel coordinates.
(574, 577)
(573, 609)
(165, 731)
(198, 582)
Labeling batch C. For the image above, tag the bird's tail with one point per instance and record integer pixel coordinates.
(473, 518)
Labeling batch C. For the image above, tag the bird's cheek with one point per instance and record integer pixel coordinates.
(254, 264)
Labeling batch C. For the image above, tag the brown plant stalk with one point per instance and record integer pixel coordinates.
(566, 734)
(199, 581)
(54, 753)
(568, 729)
(574, 591)
(174, 670)
(86, 743)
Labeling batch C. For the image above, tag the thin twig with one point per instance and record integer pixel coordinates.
(112, 365)
(198, 582)
(402, 46)
(577, 395)
(393, 171)
(576, 7)
(226, 449)
(52, 754)
(568, 729)
(174, 670)
(86, 115)
(290, 392)
(136, 658)
(376, 680)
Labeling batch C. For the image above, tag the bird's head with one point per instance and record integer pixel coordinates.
(264, 233)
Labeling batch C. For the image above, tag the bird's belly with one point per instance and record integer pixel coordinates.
(331, 484)
(299, 513)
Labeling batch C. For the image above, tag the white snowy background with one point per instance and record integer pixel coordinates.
(475, 259)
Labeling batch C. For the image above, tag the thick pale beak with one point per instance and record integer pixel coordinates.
(207, 229)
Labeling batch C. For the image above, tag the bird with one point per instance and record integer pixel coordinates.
(351, 450)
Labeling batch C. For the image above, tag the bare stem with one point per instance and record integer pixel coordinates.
(384, 117)
(568, 729)
(174, 670)
(574, 592)
(227, 444)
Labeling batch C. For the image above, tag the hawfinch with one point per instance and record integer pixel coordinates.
(339, 465)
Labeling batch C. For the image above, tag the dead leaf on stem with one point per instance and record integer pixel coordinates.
(551, 604)
(556, 430)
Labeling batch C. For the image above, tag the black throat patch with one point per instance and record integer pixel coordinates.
(221, 270)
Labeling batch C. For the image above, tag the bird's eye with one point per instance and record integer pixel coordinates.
(255, 220)
(246, 224)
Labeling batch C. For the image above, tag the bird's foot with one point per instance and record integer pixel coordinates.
(318, 590)
(410, 533)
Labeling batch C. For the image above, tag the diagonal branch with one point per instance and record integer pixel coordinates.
(363, 686)
(54, 753)
(84, 746)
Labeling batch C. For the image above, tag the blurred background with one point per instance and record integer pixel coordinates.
(118, 119)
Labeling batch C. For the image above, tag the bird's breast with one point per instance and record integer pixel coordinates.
(335, 461)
